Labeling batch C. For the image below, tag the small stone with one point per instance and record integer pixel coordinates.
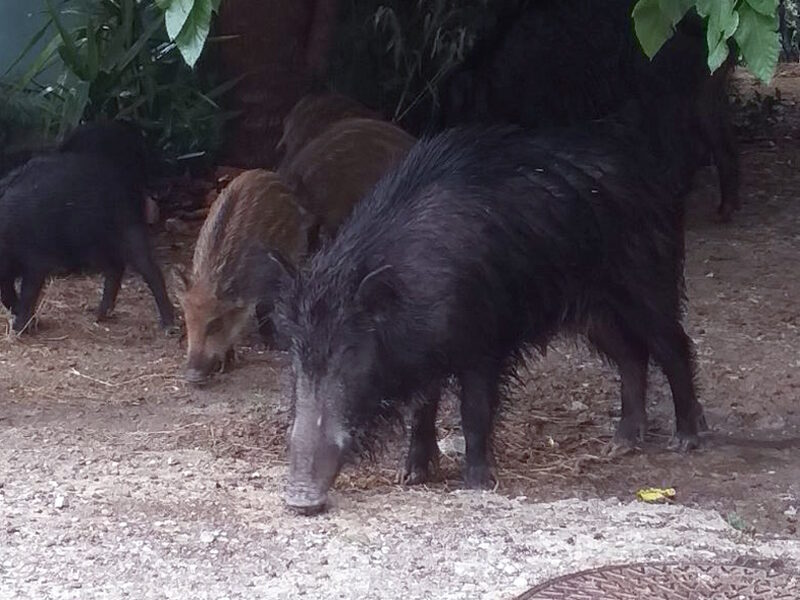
(520, 582)
(61, 502)
(578, 406)
(171, 461)
(208, 537)
(453, 446)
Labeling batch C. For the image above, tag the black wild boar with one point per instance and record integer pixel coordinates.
(122, 143)
(480, 246)
(69, 213)
(312, 115)
(336, 169)
(255, 214)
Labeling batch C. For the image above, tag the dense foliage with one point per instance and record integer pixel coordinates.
(751, 24)
(117, 59)
(392, 54)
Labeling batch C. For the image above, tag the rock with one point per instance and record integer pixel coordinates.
(453, 445)
(208, 537)
(60, 502)
(578, 406)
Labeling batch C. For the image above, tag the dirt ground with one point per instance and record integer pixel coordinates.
(118, 480)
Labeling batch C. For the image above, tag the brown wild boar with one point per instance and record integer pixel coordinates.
(312, 115)
(336, 169)
(233, 277)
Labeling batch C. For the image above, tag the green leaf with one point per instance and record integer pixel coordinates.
(722, 23)
(68, 51)
(674, 10)
(92, 52)
(188, 23)
(764, 7)
(758, 41)
(653, 27)
(40, 63)
(137, 46)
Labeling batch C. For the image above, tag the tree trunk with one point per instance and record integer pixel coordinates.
(281, 48)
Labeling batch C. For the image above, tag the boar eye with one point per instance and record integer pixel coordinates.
(214, 326)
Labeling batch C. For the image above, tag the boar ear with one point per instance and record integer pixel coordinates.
(181, 280)
(378, 290)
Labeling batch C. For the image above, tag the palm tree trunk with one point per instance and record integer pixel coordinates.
(282, 49)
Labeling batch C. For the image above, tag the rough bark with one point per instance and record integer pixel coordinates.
(282, 48)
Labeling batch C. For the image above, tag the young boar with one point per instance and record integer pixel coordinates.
(312, 115)
(338, 168)
(231, 278)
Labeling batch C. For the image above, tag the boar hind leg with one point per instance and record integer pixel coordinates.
(631, 357)
(672, 350)
(423, 452)
(111, 285)
(140, 258)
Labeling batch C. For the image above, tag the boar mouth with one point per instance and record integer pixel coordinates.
(199, 377)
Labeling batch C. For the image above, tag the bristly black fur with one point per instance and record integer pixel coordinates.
(496, 240)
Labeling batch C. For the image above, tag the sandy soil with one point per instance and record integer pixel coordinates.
(117, 480)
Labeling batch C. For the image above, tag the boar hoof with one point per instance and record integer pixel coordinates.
(103, 315)
(479, 477)
(629, 435)
(414, 475)
(683, 442)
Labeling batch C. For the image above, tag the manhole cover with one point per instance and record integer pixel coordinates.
(670, 582)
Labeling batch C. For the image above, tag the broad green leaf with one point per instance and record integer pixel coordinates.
(652, 26)
(176, 16)
(674, 10)
(717, 55)
(722, 22)
(764, 7)
(188, 23)
(758, 41)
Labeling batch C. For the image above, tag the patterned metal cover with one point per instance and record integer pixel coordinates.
(658, 581)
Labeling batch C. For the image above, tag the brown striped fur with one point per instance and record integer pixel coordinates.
(256, 212)
(335, 170)
(312, 115)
